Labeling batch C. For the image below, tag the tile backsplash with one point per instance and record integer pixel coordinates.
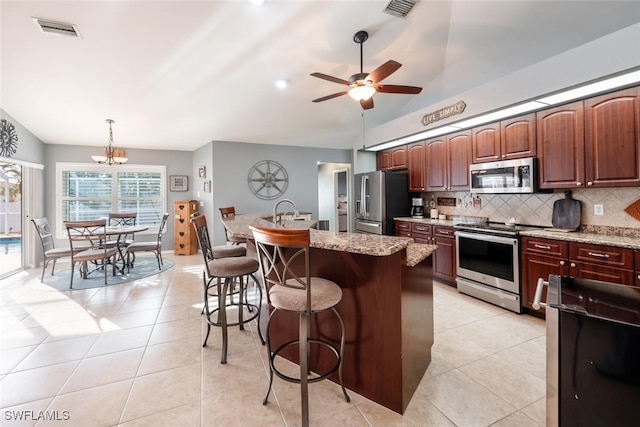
(536, 209)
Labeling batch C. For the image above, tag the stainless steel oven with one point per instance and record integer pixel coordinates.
(488, 266)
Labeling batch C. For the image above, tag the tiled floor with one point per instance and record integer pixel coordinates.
(130, 355)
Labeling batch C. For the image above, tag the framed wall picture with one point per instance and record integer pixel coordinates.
(202, 172)
(178, 183)
(207, 186)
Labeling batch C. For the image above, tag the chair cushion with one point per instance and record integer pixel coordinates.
(93, 254)
(142, 246)
(232, 266)
(58, 252)
(324, 294)
(229, 250)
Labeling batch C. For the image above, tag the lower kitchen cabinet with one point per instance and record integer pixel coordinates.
(541, 257)
(444, 258)
(638, 267)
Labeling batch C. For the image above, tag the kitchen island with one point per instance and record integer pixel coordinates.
(387, 307)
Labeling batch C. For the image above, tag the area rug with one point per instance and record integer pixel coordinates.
(143, 267)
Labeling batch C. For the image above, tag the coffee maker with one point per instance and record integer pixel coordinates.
(417, 207)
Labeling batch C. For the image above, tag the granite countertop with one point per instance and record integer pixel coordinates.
(447, 222)
(631, 242)
(366, 244)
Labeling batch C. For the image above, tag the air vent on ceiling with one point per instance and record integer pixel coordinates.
(59, 28)
(400, 8)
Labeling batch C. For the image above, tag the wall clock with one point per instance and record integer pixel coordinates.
(268, 179)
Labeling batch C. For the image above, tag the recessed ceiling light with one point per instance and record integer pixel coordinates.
(282, 84)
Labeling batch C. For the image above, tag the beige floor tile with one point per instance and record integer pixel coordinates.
(162, 391)
(106, 369)
(530, 356)
(183, 416)
(499, 332)
(57, 352)
(517, 419)
(134, 304)
(170, 355)
(176, 330)
(463, 401)
(34, 384)
(131, 319)
(179, 312)
(456, 349)
(516, 386)
(11, 357)
(20, 336)
(120, 340)
(96, 406)
(537, 411)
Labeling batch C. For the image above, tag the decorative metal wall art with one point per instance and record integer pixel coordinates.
(8, 139)
(268, 179)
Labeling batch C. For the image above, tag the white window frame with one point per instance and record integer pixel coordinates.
(92, 167)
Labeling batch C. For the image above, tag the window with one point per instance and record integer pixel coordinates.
(88, 191)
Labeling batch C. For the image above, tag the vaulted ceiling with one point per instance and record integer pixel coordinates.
(179, 74)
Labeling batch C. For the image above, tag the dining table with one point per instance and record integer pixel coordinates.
(119, 232)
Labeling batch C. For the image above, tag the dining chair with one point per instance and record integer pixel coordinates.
(87, 242)
(49, 250)
(284, 258)
(154, 246)
(222, 277)
(227, 213)
(122, 219)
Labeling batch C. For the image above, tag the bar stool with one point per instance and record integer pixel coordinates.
(285, 266)
(219, 278)
(230, 212)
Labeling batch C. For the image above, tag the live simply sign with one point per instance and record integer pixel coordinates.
(443, 113)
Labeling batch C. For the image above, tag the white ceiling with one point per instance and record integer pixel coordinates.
(179, 74)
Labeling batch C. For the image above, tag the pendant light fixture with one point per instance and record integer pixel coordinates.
(111, 154)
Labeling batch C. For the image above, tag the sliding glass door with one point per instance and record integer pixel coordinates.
(11, 233)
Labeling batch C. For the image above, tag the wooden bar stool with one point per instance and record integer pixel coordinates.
(284, 263)
(230, 212)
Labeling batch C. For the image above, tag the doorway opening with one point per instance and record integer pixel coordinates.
(334, 195)
(11, 237)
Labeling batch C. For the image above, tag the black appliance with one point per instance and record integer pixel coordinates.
(380, 196)
(593, 352)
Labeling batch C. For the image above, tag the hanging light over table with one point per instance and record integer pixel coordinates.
(111, 154)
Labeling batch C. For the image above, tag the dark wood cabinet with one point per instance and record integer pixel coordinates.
(591, 143)
(637, 273)
(392, 159)
(416, 166)
(448, 160)
(560, 134)
(612, 139)
(513, 138)
(540, 258)
(444, 258)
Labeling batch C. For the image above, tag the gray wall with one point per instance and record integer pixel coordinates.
(231, 163)
(30, 148)
(177, 162)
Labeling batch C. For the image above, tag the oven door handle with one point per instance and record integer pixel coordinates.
(487, 237)
(536, 304)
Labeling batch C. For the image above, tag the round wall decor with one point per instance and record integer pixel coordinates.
(8, 139)
(268, 179)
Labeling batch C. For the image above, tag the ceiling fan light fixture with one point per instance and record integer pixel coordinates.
(361, 93)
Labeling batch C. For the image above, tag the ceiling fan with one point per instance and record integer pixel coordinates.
(364, 85)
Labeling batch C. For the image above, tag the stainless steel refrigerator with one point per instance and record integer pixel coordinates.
(380, 196)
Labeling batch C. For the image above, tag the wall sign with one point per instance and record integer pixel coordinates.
(8, 139)
(443, 113)
(178, 183)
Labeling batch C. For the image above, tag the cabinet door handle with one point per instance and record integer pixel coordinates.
(446, 233)
(596, 254)
(579, 184)
(589, 184)
(542, 246)
(561, 262)
(573, 264)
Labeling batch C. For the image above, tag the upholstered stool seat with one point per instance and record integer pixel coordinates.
(324, 295)
(225, 251)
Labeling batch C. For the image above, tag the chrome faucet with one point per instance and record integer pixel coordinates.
(277, 221)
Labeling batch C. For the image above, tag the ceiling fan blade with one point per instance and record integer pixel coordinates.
(334, 95)
(330, 78)
(367, 103)
(411, 90)
(384, 71)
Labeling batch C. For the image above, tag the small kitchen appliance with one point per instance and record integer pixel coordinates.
(417, 207)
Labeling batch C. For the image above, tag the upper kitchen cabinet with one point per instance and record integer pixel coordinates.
(416, 166)
(560, 134)
(447, 162)
(612, 139)
(595, 143)
(514, 138)
(392, 159)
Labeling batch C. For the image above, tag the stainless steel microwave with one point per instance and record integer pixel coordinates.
(509, 176)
